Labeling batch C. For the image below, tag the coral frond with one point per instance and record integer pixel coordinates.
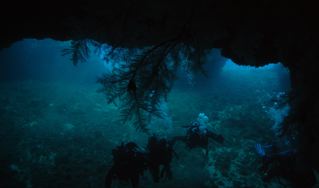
(79, 51)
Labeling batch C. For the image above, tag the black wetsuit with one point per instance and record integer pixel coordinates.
(288, 165)
(195, 137)
(128, 164)
(160, 155)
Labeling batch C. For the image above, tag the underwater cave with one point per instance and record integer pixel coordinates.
(159, 94)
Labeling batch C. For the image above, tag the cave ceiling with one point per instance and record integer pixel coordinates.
(249, 32)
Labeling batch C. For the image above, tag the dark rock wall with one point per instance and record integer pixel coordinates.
(249, 32)
(305, 103)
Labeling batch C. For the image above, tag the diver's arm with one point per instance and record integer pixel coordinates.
(217, 137)
(109, 177)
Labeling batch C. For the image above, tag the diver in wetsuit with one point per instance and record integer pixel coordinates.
(198, 135)
(129, 163)
(160, 155)
(285, 164)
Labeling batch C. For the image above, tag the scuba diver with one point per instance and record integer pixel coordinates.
(160, 155)
(129, 163)
(285, 164)
(274, 161)
(197, 134)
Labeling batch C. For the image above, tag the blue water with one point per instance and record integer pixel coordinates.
(58, 131)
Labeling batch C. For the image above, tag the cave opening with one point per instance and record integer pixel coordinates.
(248, 32)
(47, 102)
